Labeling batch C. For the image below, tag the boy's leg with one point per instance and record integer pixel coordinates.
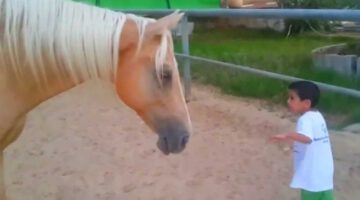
(325, 195)
(307, 195)
(328, 195)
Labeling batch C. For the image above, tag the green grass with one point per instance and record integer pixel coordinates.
(269, 51)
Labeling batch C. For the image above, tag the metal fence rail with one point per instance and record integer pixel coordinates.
(324, 86)
(320, 14)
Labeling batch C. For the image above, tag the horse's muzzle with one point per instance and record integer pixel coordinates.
(173, 136)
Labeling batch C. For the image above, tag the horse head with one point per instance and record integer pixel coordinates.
(148, 81)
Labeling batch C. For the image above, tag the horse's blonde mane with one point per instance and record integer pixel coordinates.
(61, 36)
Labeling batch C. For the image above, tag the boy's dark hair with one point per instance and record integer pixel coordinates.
(306, 90)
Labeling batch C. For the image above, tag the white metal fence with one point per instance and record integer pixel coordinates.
(320, 14)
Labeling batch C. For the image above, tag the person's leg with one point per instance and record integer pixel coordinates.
(325, 195)
(328, 195)
(307, 195)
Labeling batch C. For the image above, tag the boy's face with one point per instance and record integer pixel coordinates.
(295, 104)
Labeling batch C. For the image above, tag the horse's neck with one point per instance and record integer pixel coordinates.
(35, 91)
(55, 54)
(12, 105)
(67, 52)
(19, 97)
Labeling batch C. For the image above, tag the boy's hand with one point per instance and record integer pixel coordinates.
(280, 137)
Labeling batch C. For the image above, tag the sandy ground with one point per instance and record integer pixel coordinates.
(85, 145)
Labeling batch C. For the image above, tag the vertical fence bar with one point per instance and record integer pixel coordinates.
(168, 4)
(186, 51)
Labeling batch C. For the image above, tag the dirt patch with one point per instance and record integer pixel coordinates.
(84, 144)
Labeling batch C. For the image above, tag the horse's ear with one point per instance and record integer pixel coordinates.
(165, 23)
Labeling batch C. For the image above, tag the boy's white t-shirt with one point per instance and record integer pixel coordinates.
(313, 163)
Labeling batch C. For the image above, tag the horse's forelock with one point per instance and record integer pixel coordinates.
(162, 53)
(162, 49)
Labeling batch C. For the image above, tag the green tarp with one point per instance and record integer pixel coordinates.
(154, 4)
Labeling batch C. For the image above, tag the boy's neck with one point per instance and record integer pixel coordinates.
(307, 110)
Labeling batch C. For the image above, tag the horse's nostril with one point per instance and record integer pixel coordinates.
(173, 143)
(184, 141)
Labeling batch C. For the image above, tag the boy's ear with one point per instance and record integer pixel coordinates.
(307, 103)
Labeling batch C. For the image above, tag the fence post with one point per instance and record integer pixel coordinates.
(186, 51)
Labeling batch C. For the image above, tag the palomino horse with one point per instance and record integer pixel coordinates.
(48, 47)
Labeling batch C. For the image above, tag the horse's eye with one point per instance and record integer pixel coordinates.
(163, 78)
(166, 76)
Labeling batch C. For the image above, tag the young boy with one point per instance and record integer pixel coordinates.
(312, 154)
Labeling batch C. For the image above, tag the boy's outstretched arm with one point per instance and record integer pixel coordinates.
(292, 136)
